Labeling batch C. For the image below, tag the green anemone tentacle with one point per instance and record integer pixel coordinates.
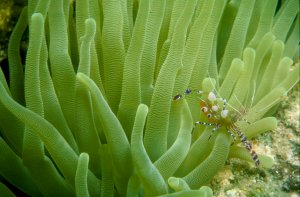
(141, 97)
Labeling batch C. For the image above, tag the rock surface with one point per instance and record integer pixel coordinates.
(239, 178)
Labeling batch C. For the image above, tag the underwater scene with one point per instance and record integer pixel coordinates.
(134, 98)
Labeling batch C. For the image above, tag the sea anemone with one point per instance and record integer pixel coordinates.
(92, 112)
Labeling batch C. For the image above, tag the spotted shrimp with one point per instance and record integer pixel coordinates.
(218, 116)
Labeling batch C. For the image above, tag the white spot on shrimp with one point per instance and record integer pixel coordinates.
(215, 108)
(204, 109)
(224, 113)
(212, 97)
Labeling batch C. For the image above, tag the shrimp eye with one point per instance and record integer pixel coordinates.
(208, 115)
(199, 92)
(187, 91)
(177, 97)
(204, 109)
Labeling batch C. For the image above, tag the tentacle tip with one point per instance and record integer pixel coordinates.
(37, 16)
(143, 107)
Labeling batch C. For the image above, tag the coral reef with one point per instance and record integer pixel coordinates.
(92, 112)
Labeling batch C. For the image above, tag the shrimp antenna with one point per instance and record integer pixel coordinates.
(221, 96)
(276, 100)
(203, 100)
(270, 105)
(292, 86)
(239, 102)
(218, 94)
(234, 109)
(254, 92)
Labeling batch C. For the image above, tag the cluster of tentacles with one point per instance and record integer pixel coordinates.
(92, 112)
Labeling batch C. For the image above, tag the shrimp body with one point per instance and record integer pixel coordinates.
(218, 116)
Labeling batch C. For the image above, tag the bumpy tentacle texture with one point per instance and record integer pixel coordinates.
(93, 113)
